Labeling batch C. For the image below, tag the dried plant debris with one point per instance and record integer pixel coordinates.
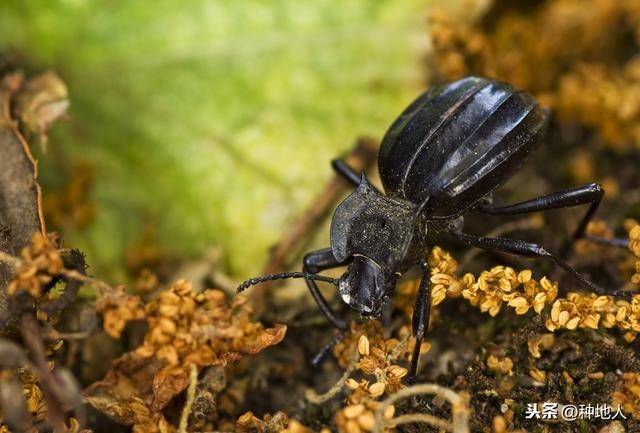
(117, 308)
(185, 329)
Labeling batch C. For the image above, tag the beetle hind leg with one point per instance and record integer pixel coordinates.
(590, 194)
(532, 250)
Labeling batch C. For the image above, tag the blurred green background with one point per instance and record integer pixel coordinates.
(212, 121)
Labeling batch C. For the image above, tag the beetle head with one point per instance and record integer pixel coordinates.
(375, 232)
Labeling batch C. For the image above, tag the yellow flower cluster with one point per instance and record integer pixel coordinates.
(117, 308)
(442, 267)
(493, 288)
(502, 285)
(579, 310)
(279, 422)
(187, 328)
(500, 364)
(634, 247)
(538, 375)
(627, 394)
(39, 263)
(377, 358)
(359, 414)
(544, 341)
(588, 310)
(378, 361)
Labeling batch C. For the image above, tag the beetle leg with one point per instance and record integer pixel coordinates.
(313, 263)
(343, 169)
(588, 194)
(322, 354)
(420, 320)
(529, 249)
(347, 172)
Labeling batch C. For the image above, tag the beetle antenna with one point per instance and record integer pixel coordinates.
(283, 276)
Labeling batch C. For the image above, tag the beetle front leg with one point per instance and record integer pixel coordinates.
(314, 263)
(420, 319)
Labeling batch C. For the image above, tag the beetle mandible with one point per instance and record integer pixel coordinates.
(441, 158)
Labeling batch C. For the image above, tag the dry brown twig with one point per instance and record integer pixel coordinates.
(69, 273)
(191, 395)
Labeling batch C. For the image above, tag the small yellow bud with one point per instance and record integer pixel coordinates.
(363, 345)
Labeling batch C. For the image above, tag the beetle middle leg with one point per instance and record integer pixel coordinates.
(420, 319)
(529, 249)
(587, 194)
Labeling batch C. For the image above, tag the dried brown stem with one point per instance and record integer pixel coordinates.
(459, 410)
(191, 395)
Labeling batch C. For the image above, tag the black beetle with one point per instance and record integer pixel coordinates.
(442, 158)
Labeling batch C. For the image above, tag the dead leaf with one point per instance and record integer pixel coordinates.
(130, 376)
(167, 385)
